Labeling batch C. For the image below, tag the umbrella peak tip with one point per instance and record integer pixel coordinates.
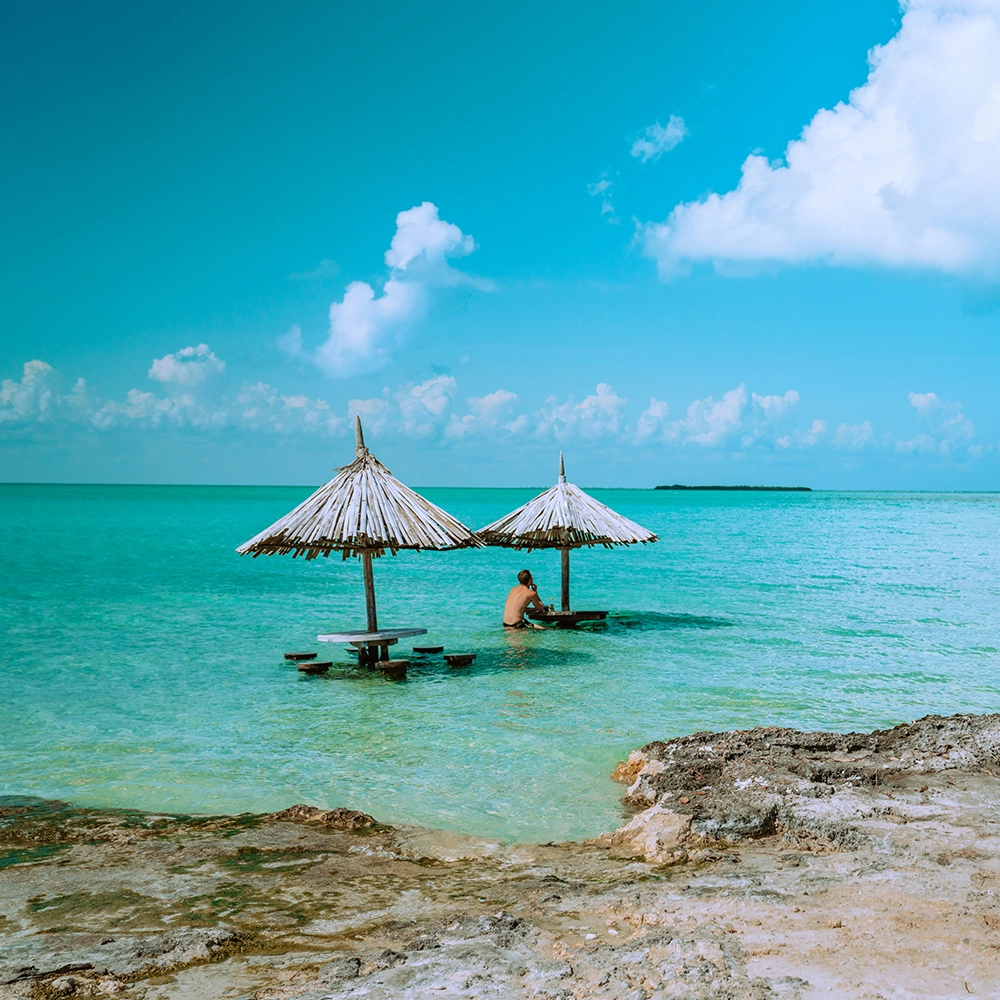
(562, 468)
(359, 436)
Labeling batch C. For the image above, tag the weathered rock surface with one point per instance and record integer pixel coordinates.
(738, 785)
(332, 819)
(655, 833)
(890, 888)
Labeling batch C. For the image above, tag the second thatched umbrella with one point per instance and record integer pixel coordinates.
(362, 511)
(564, 518)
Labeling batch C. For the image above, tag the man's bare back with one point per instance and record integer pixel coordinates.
(518, 599)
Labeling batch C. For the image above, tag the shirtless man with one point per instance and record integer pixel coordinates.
(525, 593)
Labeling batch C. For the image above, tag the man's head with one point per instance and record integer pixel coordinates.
(524, 578)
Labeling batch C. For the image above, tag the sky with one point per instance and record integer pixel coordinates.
(685, 242)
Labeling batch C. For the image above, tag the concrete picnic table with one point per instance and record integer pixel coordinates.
(372, 646)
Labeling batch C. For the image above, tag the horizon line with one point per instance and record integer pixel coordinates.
(648, 489)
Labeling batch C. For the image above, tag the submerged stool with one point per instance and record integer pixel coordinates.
(428, 650)
(319, 667)
(459, 659)
(301, 656)
(393, 670)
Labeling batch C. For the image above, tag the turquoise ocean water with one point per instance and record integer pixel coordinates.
(141, 660)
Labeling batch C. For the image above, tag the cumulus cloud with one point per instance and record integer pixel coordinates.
(366, 326)
(256, 407)
(261, 406)
(776, 406)
(375, 413)
(803, 439)
(652, 421)
(493, 412)
(709, 421)
(423, 407)
(598, 415)
(736, 420)
(426, 411)
(38, 397)
(902, 175)
(149, 410)
(854, 437)
(949, 426)
(33, 398)
(657, 139)
(189, 366)
(420, 232)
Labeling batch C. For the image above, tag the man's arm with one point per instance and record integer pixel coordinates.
(536, 600)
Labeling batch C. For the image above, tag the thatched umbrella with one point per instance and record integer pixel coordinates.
(362, 511)
(564, 518)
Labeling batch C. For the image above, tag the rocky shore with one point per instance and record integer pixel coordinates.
(761, 864)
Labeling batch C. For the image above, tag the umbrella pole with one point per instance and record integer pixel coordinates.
(366, 562)
(565, 578)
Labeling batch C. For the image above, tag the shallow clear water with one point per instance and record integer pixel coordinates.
(141, 658)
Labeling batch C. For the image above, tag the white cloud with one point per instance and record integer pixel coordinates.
(950, 427)
(421, 233)
(492, 412)
(256, 407)
(189, 366)
(713, 423)
(854, 436)
(149, 410)
(375, 413)
(803, 439)
(903, 175)
(38, 397)
(652, 421)
(33, 398)
(776, 406)
(738, 421)
(493, 406)
(657, 139)
(261, 406)
(422, 407)
(599, 415)
(364, 326)
(602, 189)
(709, 421)
(923, 402)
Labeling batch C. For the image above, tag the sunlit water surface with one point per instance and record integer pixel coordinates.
(141, 658)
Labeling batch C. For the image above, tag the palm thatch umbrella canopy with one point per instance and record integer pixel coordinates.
(362, 511)
(564, 518)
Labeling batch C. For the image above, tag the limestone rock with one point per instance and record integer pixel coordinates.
(748, 784)
(655, 833)
(626, 772)
(332, 819)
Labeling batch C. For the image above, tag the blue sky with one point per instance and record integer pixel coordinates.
(687, 242)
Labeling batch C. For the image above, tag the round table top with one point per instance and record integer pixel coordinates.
(364, 637)
(566, 616)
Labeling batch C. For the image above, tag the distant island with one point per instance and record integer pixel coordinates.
(757, 489)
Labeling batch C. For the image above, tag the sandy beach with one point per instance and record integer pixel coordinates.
(763, 864)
